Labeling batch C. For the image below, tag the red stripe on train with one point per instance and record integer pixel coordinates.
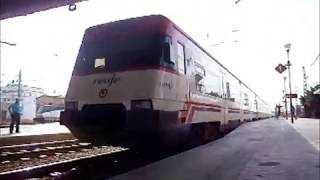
(210, 107)
(158, 68)
(193, 109)
(204, 104)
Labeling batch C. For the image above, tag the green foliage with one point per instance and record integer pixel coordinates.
(311, 102)
(313, 89)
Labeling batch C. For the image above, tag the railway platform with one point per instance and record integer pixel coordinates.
(272, 149)
(34, 133)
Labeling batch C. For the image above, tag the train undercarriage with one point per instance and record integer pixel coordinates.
(111, 123)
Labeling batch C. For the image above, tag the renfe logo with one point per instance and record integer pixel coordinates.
(103, 92)
(105, 81)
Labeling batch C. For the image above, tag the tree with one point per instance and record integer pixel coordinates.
(311, 102)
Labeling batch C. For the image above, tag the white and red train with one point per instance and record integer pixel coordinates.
(144, 76)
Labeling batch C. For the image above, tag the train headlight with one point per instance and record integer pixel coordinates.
(71, 105)
(141, 104)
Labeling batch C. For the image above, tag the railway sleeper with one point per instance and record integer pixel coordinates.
(40, 151)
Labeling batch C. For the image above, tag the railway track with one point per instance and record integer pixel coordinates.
(24, 151)
(68, 168)
(71, 159)
(22, 160)
(32, 145)
(97, 162)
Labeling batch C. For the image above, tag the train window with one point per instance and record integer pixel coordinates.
(235, 93)
(181, 58)
(189, 57)
(100, 63)
(228, 94)
(131, 50)
(213, 85)
(246, 99)
(199, 83)
(199, 69)
(199, 77)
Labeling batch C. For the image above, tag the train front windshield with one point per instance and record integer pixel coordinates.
(114, 52)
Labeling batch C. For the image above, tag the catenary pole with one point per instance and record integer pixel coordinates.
(290, 91)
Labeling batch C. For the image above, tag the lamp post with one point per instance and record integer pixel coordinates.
(287, 47)
(9, 44)
(285, 98)
(317, 58)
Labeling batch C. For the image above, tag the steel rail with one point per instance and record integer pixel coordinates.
(30, 145)
(40, 151)
(61, 166)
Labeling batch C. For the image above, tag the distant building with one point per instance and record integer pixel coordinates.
(28, 96)
(50, 100)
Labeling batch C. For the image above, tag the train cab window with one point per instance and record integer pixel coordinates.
(181, 58)
(167, 50)
(100, 63)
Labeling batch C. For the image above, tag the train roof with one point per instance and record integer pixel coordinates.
(144, 24)
(157, 23)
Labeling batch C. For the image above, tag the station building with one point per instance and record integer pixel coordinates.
(28, 95)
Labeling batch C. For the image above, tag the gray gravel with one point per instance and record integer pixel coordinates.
(26, 162)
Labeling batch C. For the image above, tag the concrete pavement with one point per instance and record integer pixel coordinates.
(35, 133)
(36, 129)
(269, 149)
(309, 129)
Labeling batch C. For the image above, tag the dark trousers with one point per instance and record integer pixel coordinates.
(15, 119)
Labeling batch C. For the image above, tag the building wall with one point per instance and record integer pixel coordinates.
(29, 109)
(28, 94)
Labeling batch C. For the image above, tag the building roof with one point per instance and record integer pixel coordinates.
(48, 96)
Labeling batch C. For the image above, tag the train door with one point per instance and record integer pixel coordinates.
(256, 107)
(241, 104)
(224, 103)
(228, 104)
(183, 70)
(189, 64)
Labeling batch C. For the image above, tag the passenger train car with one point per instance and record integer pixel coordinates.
(138, 77)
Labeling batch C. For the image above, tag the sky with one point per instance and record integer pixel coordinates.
(253, 33)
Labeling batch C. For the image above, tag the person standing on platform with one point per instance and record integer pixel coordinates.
(278, 111)
(15, 110)
(293, 110)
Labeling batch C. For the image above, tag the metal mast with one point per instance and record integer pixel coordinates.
(319, 65)
(305, 85)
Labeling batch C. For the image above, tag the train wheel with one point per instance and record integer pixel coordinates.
(204, 132)
(211, 131)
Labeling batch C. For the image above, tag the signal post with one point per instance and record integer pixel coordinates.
(281, 68)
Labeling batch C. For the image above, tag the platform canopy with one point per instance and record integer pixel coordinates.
(14, 8)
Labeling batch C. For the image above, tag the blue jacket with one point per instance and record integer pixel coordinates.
(16, 108)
